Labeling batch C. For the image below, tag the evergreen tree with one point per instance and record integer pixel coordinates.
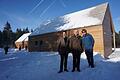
(24, 31)
(119, 40)
(31, 30)
(7, 26)
(19, 33)
(0, 39)
(7, 34)
(27, 30)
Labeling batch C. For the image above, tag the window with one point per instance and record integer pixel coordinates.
(41, 42)
(36, 43)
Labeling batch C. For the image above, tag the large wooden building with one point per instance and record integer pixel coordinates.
(97, 20)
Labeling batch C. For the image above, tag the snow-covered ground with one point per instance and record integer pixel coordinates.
(22, 65)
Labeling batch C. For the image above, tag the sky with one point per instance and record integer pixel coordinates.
(31, 13)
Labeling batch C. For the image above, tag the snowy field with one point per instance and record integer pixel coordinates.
(22, 65)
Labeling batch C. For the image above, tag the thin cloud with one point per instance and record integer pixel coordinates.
(45, 10)
(16, 18)
(41, 1)
(21, 19)
(63, 4)
(118, 19)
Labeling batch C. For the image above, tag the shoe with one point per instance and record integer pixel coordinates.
(66, 70)
(73, 70)
(60, 71)
(78, 70)
(92, 66)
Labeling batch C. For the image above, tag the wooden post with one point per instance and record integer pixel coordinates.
(114, 40)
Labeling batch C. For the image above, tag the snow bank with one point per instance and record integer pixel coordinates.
(116, 49)
(8, 59)
(1, 49)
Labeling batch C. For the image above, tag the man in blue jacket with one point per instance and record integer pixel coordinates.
(88, 44)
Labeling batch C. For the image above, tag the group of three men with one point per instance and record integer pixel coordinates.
(75, 44)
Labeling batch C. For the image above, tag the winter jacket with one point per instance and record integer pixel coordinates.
(75, 44)
(62, 44)
(80, 39)
(88, 41)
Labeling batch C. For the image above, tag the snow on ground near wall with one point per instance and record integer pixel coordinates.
(116, 49)
(22, 65)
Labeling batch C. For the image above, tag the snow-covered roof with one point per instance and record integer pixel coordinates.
(87, 17)
(24, 37)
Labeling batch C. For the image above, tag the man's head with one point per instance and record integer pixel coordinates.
(64, 34)
(76, 32)
(84, 31)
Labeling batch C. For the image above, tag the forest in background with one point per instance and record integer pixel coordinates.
(8, 37)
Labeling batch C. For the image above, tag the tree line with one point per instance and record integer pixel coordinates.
(8, 37)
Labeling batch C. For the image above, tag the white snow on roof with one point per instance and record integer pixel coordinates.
(87, 17)
(79, 19)
(24, 37)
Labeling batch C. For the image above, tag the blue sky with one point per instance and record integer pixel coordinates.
(30, 13)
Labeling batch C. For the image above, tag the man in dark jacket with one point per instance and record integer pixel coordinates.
(62, 49)
(88, 44)
(76, 47)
